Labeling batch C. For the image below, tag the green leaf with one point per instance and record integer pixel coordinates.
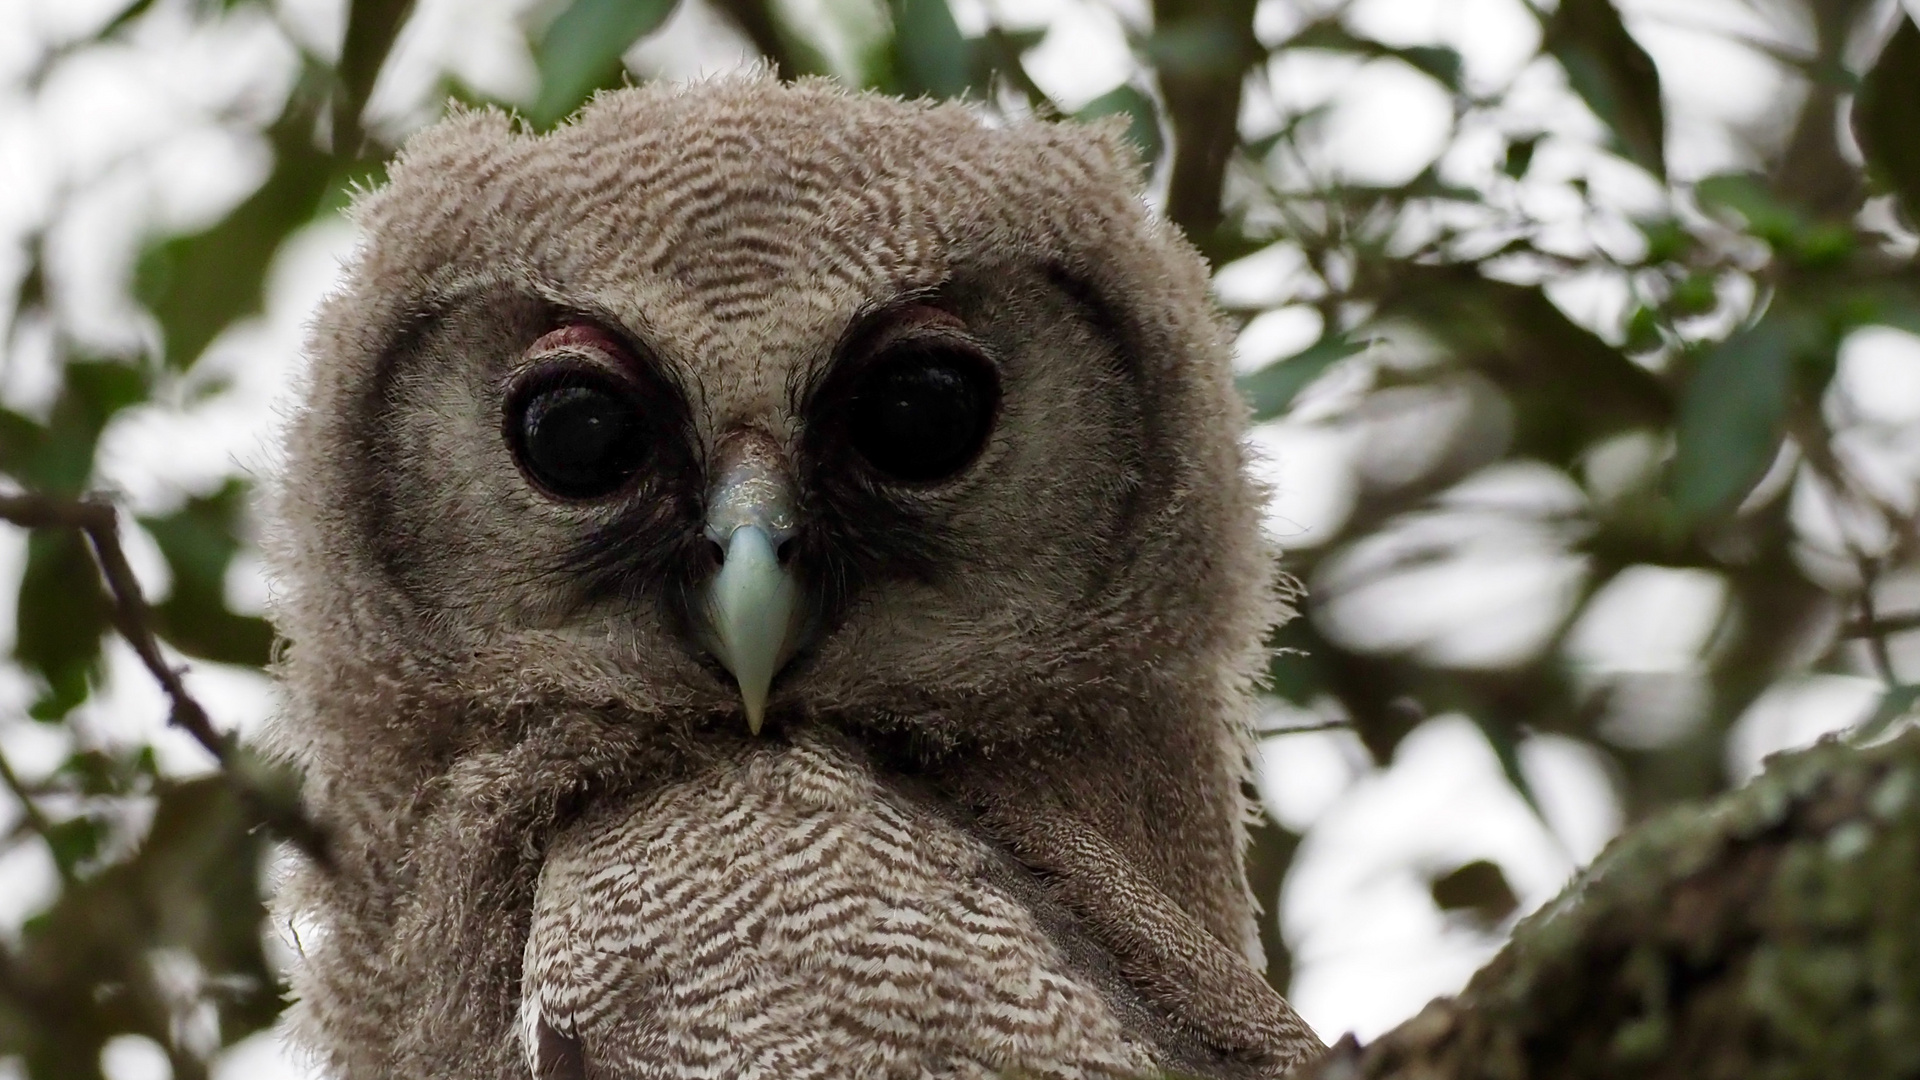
(20, 440)
(1144, 126)
(1520, 156)
(196, 285)
(59, 619)
(1613, 75)
(1667, 240)
(1568, 386)
(1732, 415)
(851, 41)
(199, 544)
(58, 459)
(1884, 113)
(193, 884)
(1807, 243)
(1442, 63)
(1020, 42)
(1272, 389)
(580, 52)
(930, 55)
(1746, 195)
(1642, 331)
(1504, 739)
(76, 841)
(1896, 703)
(127, 15)
(1893, 302)
(1439, 62)
(61, 613)
(1695, 294)
(116, 771)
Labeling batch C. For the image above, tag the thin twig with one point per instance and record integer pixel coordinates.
(1884, 624)
(1004, 54)
(35, 819)
(1876, 642)
(1809, 429)
(96, 519)
(1303, 729)
(1816, 443)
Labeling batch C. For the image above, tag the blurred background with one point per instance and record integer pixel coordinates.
(1580, 338)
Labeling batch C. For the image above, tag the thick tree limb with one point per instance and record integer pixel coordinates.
(98, 521)
(1771, 933)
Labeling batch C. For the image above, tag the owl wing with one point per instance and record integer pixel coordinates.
(1165, 956)
(784, 916)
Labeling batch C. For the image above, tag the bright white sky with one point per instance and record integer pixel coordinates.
(157, 134)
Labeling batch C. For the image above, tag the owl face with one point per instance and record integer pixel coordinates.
(755, 414)
(816, 510)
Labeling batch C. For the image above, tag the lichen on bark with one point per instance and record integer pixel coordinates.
(1773, 934)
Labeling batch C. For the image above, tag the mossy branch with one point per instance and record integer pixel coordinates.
(1772, 933)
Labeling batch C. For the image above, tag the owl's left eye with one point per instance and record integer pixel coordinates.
(922, 412)
(577, 432)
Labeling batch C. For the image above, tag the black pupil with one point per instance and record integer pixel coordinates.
(922, 416)
(580, 440)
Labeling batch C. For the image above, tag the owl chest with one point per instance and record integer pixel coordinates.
(745, 929)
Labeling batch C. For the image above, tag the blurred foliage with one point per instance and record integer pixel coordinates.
(1740, 290)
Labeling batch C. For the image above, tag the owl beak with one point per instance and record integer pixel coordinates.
(753, 609)
(754, 603)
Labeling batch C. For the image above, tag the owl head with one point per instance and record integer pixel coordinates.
(726, 407)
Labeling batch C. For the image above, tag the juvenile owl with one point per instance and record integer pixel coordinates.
(772, 590)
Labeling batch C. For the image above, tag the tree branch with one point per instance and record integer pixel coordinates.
(1202, 50)
(755, 19)
(1769, 933)
(31, 813)
(96, 519)
(372, 26)
(1003, 55)
(1877, 649)
(1885, 624)
(1811, 171)
(1306, 729)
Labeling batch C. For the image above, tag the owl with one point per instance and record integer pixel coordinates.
(771, 589)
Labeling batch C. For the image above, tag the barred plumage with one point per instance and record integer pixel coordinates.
(783, 916)
(994, 818)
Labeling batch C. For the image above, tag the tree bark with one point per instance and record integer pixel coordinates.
(1773, 933)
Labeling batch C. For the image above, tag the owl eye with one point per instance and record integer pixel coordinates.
(577, 432)
(921, 413)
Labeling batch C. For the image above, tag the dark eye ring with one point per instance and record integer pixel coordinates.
(921, 411)
(577, 431)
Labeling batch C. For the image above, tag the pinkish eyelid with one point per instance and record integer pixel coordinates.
(918, 315)
(579, 336)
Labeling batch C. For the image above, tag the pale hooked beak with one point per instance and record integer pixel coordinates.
(754, 610)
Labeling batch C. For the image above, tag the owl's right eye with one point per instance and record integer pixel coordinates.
(577, 432)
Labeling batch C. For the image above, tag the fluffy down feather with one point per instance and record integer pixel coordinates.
(1030, 697)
